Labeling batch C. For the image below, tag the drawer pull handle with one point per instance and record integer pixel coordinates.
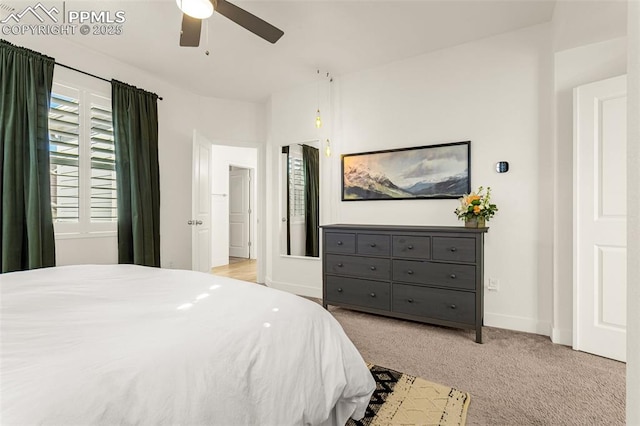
(410, 247)
(410, 300)
(453, 306)
(339, 290)
(410, 272)
(340, 265)
(372, 244)
(453, 249)
(372, 295)
(373, 268)
(452, 276)
(339, 243)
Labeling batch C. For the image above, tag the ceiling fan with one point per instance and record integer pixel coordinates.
(194, 11)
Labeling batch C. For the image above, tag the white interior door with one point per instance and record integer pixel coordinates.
(201, 205)
(600, 188)
(239, 213)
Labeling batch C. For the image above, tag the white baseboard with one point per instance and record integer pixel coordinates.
(562, 336)
(300, 290)
(511, 322)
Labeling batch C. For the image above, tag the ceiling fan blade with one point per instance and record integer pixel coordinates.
(190, 32)
(247, 20)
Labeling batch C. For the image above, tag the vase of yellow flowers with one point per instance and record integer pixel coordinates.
(476, 208)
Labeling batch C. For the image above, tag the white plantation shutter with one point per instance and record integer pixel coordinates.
(64, 139)
(103, 163)
(296, 187)
(83, 178)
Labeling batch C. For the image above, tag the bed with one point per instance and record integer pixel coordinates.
(125, 344)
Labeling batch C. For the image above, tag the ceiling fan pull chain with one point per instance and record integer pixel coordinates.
(206, 35)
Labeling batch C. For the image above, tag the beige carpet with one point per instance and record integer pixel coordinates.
(402, 399)
(514, 378)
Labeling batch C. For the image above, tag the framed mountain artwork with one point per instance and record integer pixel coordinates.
(431, 172)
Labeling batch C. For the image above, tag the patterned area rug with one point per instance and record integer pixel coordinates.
(400, 399)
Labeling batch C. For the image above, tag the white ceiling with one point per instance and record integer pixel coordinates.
(335, 36)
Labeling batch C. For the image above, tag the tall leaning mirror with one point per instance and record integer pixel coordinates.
(300, 189)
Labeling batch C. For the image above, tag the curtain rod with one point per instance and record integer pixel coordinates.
(89, 74)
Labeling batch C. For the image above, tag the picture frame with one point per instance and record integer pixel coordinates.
(440, 171)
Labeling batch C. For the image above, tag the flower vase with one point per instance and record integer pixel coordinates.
(476, 222)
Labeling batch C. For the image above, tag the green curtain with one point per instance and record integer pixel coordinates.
(311, 161)
(135, 124)
(26, 225)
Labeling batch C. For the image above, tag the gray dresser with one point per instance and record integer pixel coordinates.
(432, 274)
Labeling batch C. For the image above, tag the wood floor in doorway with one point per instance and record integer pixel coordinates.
(238, 268)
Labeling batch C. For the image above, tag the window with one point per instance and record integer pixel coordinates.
(83, 177)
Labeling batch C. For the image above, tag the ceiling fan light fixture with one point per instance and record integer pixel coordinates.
(199, 9)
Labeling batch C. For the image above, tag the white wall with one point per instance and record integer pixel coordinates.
(179, 113)
(578, 23)
(511, 96)
(87, 251)
(496, 92)
(222, 157)
(291, 120)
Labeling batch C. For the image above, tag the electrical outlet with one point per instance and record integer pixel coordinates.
(494, 284)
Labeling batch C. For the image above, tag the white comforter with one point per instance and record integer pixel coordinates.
(133, 345)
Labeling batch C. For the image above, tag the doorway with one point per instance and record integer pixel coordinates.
(240, 213)
(234, 210)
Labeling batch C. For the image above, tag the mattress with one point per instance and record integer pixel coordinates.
(125, 344)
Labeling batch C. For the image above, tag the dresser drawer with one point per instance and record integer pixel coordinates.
(433, 273)
(373, 244)
(448, 305)
(351, 291)
(365, 267)
(338, 242)
(410, 271)
(411, 246)
(454, 249)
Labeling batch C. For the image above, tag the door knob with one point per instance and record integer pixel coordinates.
(190, 222)
(198, 222)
